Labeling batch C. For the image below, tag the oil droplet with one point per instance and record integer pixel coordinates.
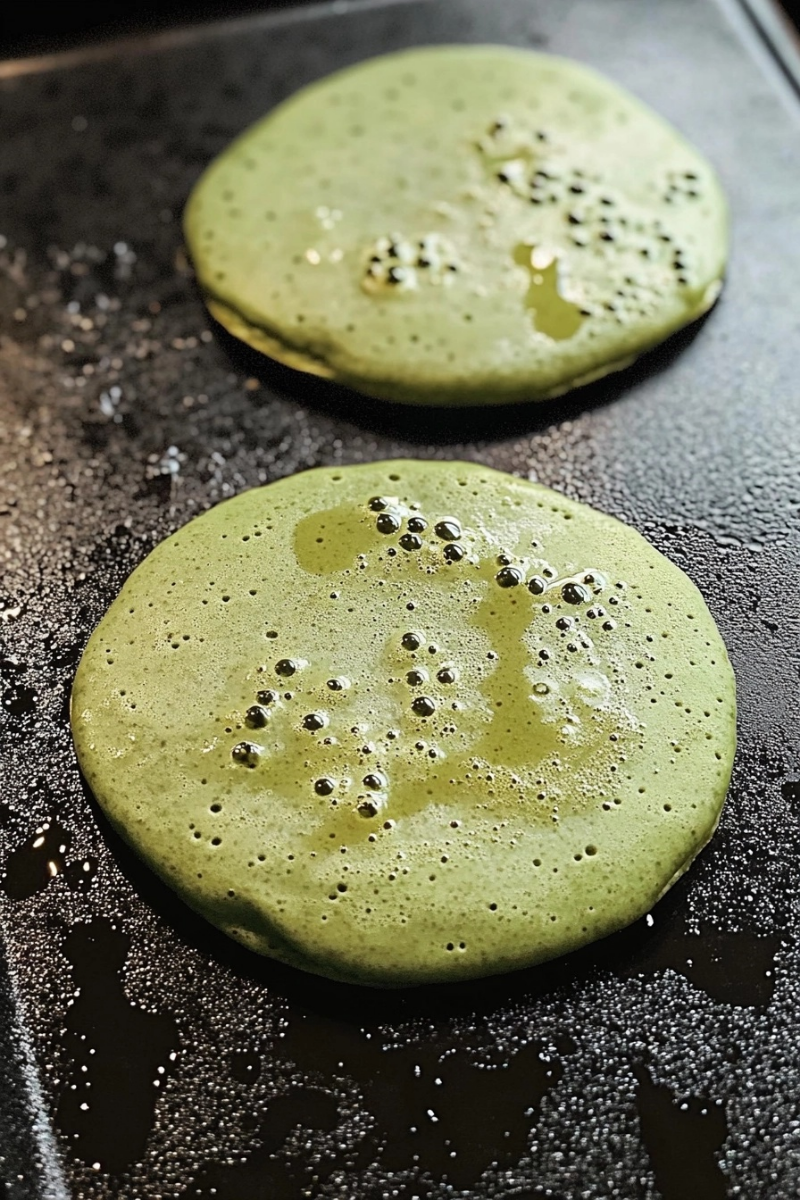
(553, 315)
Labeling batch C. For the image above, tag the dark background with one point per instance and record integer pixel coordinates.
(27, 30)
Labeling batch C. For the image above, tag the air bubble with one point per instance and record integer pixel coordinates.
(286, 667)
(446, 675)
(411, 541)
(378, 504)
(416, 678)
(374, 781)
(314, 721)
(423, 706)
(448, 529)
(411, 641)
(575, 593)
(256, 717)
(537, 586)
(509, 577)
(417, 524)
(247, 753)
(454, 552)
(387, 523)
(324, 786)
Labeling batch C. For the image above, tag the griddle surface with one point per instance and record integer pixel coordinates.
(147, 1056)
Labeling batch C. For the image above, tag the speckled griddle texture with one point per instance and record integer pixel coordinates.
(661, 1064)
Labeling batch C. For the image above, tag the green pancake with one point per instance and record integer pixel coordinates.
(459, 225)
(410, 721)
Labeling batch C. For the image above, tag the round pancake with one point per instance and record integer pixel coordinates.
(459, 225)
(410, 721)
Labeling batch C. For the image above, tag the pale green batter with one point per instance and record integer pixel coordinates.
(409, 721)
(459, 225)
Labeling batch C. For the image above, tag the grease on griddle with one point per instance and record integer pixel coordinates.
(461, 1107)
(19, 700)
(684, 1137)
(245, 1065)
(729, 967)
(264, 1173)
(41, 858)
(119, 1054)
(790, 790)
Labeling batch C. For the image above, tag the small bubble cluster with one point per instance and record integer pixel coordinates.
(535, 167)
(398, 264)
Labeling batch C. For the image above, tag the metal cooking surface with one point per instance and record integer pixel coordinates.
(168, 1062)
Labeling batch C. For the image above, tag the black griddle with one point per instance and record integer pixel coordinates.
(144, 1056)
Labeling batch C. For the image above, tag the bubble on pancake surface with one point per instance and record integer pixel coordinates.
(481, 741)
(513, 249)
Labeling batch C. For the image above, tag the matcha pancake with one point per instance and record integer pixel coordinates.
(410, 721)
(459, 225)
